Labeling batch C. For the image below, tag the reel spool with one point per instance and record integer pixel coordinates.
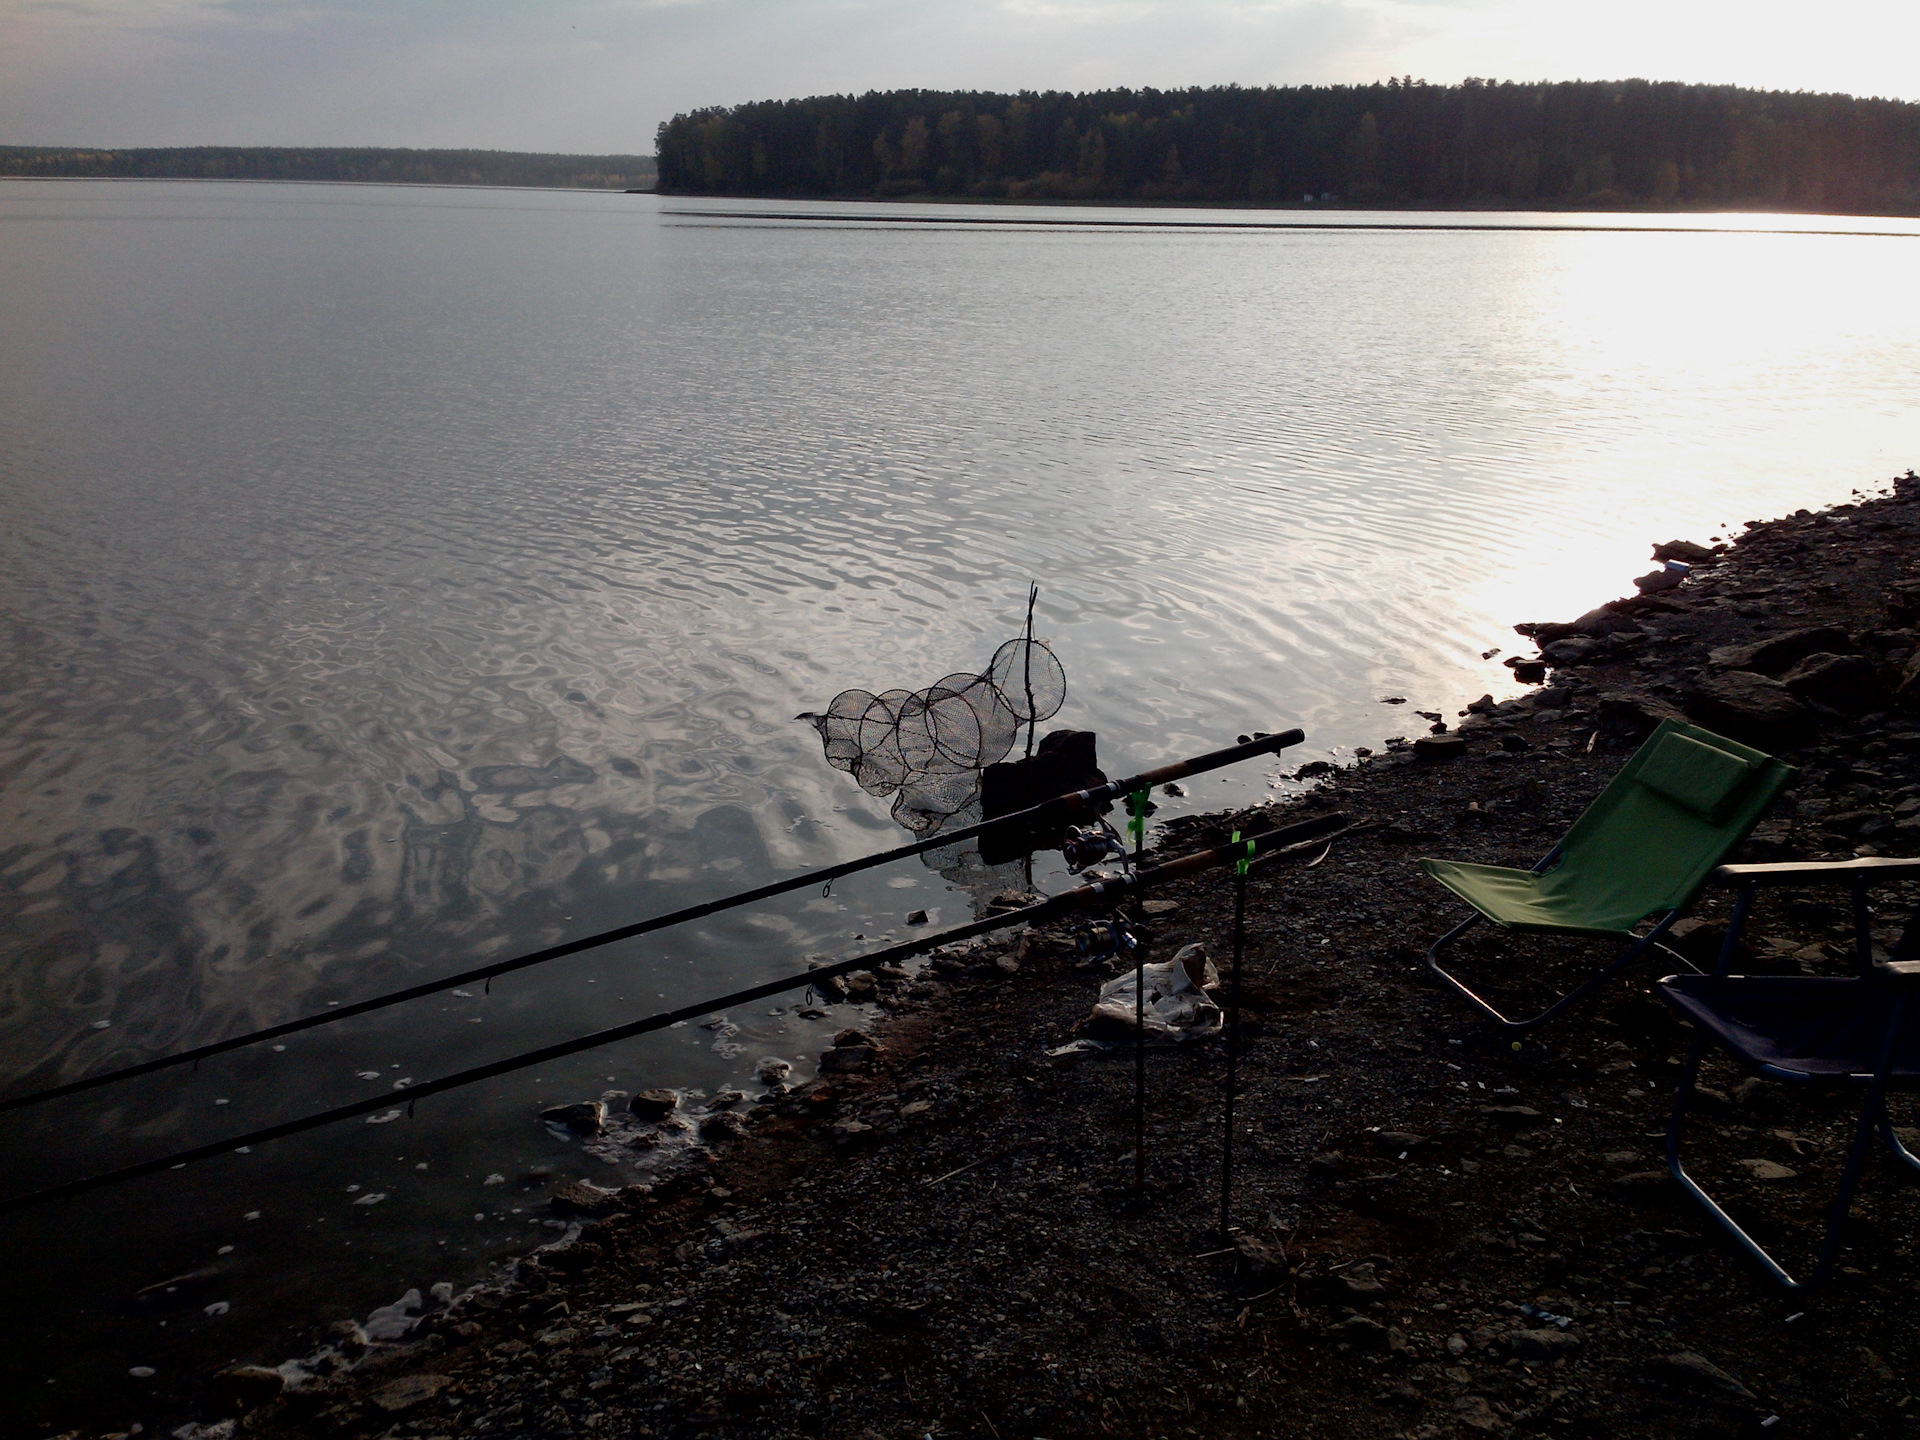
(1086, 845)
(1104, 939)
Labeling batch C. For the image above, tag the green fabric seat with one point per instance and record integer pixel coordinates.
(1642, 849)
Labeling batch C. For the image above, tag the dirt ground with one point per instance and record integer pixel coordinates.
(945, 1240)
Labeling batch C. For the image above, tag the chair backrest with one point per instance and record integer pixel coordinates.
(1680, 803)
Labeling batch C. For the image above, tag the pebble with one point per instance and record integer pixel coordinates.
(408, 1391)
(1689, 1371)
(582, 1197)
(1361, 1283)
(1543, 1344)
(1260, 1260)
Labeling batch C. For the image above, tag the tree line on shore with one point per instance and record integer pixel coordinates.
(273, 162)
(1404, 142)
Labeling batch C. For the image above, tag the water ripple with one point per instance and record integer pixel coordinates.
(385, 582)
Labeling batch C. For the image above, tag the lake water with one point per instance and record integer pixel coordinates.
(396, 578)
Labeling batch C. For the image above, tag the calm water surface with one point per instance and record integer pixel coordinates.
(394, 578)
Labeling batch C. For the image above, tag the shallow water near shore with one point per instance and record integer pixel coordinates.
(392, 579)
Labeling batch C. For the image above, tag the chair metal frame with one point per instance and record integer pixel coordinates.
(1899, 975)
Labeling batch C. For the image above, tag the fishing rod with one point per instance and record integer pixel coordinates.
(1298, 836)
(1046, 809)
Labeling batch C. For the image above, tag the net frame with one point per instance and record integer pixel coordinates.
(927, 748)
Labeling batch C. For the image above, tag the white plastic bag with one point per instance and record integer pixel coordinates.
(1178, 1007)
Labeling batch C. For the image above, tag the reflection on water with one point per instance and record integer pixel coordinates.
(391, 579)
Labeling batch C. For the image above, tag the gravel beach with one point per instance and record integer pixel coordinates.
(1435, 1231)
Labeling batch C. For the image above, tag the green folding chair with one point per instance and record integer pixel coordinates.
(1642, 850)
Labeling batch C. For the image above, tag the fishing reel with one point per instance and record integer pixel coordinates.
(1104, 939)
(1085, 845)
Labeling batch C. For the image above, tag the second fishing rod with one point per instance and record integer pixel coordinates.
(1080, 801)
(1279, 841)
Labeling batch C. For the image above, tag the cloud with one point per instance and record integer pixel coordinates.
(598, 75)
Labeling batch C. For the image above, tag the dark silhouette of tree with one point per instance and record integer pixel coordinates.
(1590, 144)
(410, 167)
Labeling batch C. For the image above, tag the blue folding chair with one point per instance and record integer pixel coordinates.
(1860, 1031)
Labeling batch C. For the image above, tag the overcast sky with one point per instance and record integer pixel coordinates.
(599, 75)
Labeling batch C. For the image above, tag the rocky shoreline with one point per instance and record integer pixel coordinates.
(1437, 1232)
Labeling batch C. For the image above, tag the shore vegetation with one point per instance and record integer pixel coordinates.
(1600, 144)
(359, 165)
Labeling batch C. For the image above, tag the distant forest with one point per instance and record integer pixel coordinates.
(1405, 142)
(407, 167)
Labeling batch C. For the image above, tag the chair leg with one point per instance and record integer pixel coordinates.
(1873, 1115)
(1686, 1182)
(1627, 957)
(1870, 1112)
(1900, 1151)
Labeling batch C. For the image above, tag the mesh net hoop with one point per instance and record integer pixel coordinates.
(927, 747)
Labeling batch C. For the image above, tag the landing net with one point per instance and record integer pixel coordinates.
(926, 748)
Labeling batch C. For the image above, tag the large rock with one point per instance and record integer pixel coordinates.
(1752, 709)
(246, 1387)
(1684, 550)
(1844, 682)
(1571, 650)
(1066, 761)
(1633, 716)
(1593, 625)
(1779, 653)
(654, 1104)
(846, 1059)
(1903, 601)
(722, 1125)
(1908, 691)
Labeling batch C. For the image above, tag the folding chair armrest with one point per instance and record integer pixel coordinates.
(1897, 972)
(1870, 870)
